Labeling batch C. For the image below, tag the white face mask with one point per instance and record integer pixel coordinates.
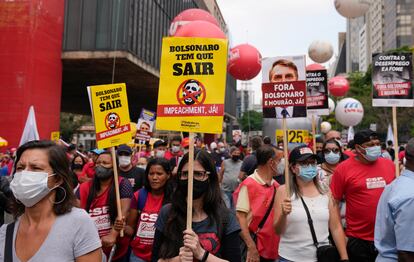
(124, 160)
(160, 153)
(281, 167)
(142, 166)
(175, 149)
(30, 187)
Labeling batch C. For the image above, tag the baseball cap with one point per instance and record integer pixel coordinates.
(364, 136)
(301, 153)
(186, 142)
(159, 143)
(97, 151)
(124, 148)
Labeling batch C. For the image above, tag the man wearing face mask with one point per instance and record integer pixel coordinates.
(135, 175)
(175, 152)
(360, 180)
(220, 154)
(160, 146)
(253, 198)
(229, 173)
(280, 171)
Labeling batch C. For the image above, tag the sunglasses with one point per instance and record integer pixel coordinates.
(334, 150)
(198, 175)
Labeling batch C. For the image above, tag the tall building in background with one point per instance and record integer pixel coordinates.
(388, 24)
(245, 98)
(398, 23)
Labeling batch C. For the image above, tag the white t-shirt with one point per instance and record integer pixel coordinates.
(72, 235)
(296, 242)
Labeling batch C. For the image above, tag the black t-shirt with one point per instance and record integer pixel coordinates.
(219, 157)
(136, 177)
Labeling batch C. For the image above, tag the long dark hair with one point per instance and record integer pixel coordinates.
(73, 161)
(60, 166)
(212, 204)
(96, 187)
(334, 141)
(168, 187)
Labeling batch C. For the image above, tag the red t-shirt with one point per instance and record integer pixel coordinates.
(144, 238)
(361, 186)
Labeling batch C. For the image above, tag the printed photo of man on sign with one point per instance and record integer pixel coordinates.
(284, 87)
(392, 80)
(192, 85)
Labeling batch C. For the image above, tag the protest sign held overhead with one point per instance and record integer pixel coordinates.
(192, 85)
(317, 92)
(109, 106)
(284, 87)
(293, 136)
(145, 126)
(392, 80)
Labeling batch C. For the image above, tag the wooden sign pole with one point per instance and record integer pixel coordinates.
(314, 134)
(190, 182)
(116, 181)
(395, 131)
(286, 156)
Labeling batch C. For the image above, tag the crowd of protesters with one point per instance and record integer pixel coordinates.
(63, 201)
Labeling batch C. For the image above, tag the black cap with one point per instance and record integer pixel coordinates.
(159, 143)
(364, 136)
(300, 153)
(124, 148)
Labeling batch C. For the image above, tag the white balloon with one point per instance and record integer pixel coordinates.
(331, 104)
(320, 51)
(326, 127)
(349, 112)
(352, 8)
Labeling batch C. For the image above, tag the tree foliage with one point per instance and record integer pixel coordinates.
(69, 123)
(251, 121)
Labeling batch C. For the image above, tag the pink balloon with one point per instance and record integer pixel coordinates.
(315, 67)
(190, 15)
(244, 62)
(200, 29)
(338, 86)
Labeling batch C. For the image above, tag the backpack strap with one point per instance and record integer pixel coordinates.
(142, 198)
(8, 247)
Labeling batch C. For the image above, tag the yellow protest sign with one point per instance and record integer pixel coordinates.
(192, 85)
(54, 136)
(294, 136)
(109, 105)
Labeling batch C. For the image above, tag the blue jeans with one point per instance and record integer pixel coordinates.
(134, 258)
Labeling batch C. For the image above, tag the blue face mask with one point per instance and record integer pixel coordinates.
(307, 173)
(332, 158)
(372, 153)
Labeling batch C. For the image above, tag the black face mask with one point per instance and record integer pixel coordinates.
(199, 187)
(77, 166)
(103, 172)
(235, 158)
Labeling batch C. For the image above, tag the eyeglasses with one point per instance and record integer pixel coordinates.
(198, 175)
(334, 150)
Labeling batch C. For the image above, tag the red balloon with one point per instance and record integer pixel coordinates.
(315, 67)
(200, 29)
(190, 15)
(338, 86)
(245, 62)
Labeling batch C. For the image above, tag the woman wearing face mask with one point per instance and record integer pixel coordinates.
(332, 155)
(291, 222)
(44, 211)
(77, 164)
(97, 197)
(229, 174)
(145, 206)
(216, 232)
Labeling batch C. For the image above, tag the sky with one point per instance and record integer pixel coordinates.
(281, 27)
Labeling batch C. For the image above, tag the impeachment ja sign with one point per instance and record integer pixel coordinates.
(109, 106)
(192, 85)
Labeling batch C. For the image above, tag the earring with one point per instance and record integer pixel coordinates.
(64, 197)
